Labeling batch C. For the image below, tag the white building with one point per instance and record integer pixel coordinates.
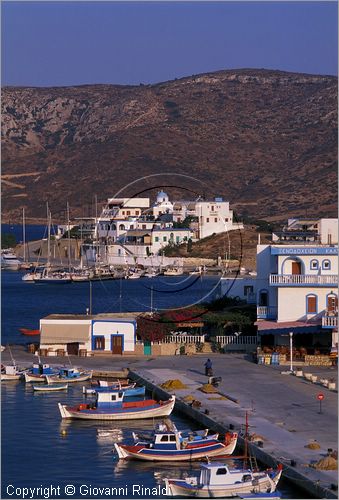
(242, 287)
(162, 237)
(297, 292)
(113, 333)
(212, 216)
(323, 231)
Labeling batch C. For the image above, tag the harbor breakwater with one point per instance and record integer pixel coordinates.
(310, 485)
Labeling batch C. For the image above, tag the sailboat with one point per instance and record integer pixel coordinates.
(48, 276)
(25, 264)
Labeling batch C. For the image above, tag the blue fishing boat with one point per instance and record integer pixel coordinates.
(174, 445)
(69, 375)
(129, 392)
(111, 405)
(39, 372)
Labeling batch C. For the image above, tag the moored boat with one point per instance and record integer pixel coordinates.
(39, 372)
(178, 446)
(9, 260)
(217, 480)
(11, 372)
(29, 332)
(69, 375)
(111, 406)
(50, 387)
(174, 271)
(128, 392)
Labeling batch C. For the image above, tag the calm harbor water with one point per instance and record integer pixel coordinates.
(35, 451)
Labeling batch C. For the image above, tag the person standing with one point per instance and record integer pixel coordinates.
(208, 367)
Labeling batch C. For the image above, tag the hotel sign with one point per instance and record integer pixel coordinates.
(304, 251)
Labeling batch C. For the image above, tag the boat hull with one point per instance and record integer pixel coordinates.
(62, 380)
(124, 413)
(6, 377)
(50, 387)
(29, 377)
(132, 392)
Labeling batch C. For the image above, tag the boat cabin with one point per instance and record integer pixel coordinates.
(69, 372)
(42, 369)
(10, 370)
(108, 399)
(167, 441)
(219, 474)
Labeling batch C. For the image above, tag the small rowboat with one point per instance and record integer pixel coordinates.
(29, 332)
(50, 387)
(69, 375)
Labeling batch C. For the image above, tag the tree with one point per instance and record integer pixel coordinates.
(8, 240)
(152, 328)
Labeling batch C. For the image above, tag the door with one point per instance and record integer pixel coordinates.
(147, 348)
(116, 344)
(296, 267)
(332, 304)
(73, 348)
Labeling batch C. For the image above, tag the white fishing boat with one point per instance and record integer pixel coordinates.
(111, 406)
(217, 480)
(151, 272)
(9, 260)
(11, 372)
(174, 271)
(50, 387)
(113, 434)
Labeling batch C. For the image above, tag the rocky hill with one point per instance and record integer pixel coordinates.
(265, 140)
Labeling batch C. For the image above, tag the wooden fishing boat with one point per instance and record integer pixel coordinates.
(116, 384)
(29, 332)
(50, 387)
(111, 406)
(178, 446)
(69, 375)
(11, 372)
(39, 372)
(128, 392)
(217, 480)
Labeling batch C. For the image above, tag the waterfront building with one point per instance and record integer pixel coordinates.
(323, 231)
(297, 292)
(210, 216)
(242, 287)
(164, 236)
(113, 333)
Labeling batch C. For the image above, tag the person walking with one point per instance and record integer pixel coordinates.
(208, 368)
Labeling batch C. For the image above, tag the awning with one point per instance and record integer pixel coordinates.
(64, 333)
(275, 328)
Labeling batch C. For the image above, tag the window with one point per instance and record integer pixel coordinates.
(128, 212)
(122, 227)
(263, 298)
(156, 238)
(248, 289)
(123, 212)
(221, 472)
(314, 264)
(326, 265)
(226, 219)
(99, 343)
(215, 219)
(207, 219)
(137, 212)
(212, 208)
(143, 226)
(164, 238)
(177, 239)
(311, 304)
(164, 439)
(131, 226)
(113, 397)
(172, 438)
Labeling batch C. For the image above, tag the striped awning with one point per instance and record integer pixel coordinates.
(287, 326)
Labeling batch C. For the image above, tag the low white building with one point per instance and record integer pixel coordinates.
(76, 334)
(318, 231)
(242, 287)
(162, 205)
(297, 292)
(162, 237)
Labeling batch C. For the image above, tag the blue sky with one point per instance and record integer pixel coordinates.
(70, 43)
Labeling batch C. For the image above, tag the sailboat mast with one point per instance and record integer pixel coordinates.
(69, 239)
(24, 233)
(48, 236)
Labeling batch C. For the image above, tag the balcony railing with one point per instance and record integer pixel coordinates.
(303, 279)
(329, 321)
(266, 312)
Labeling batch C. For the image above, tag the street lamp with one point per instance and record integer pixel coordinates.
(291, 351)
